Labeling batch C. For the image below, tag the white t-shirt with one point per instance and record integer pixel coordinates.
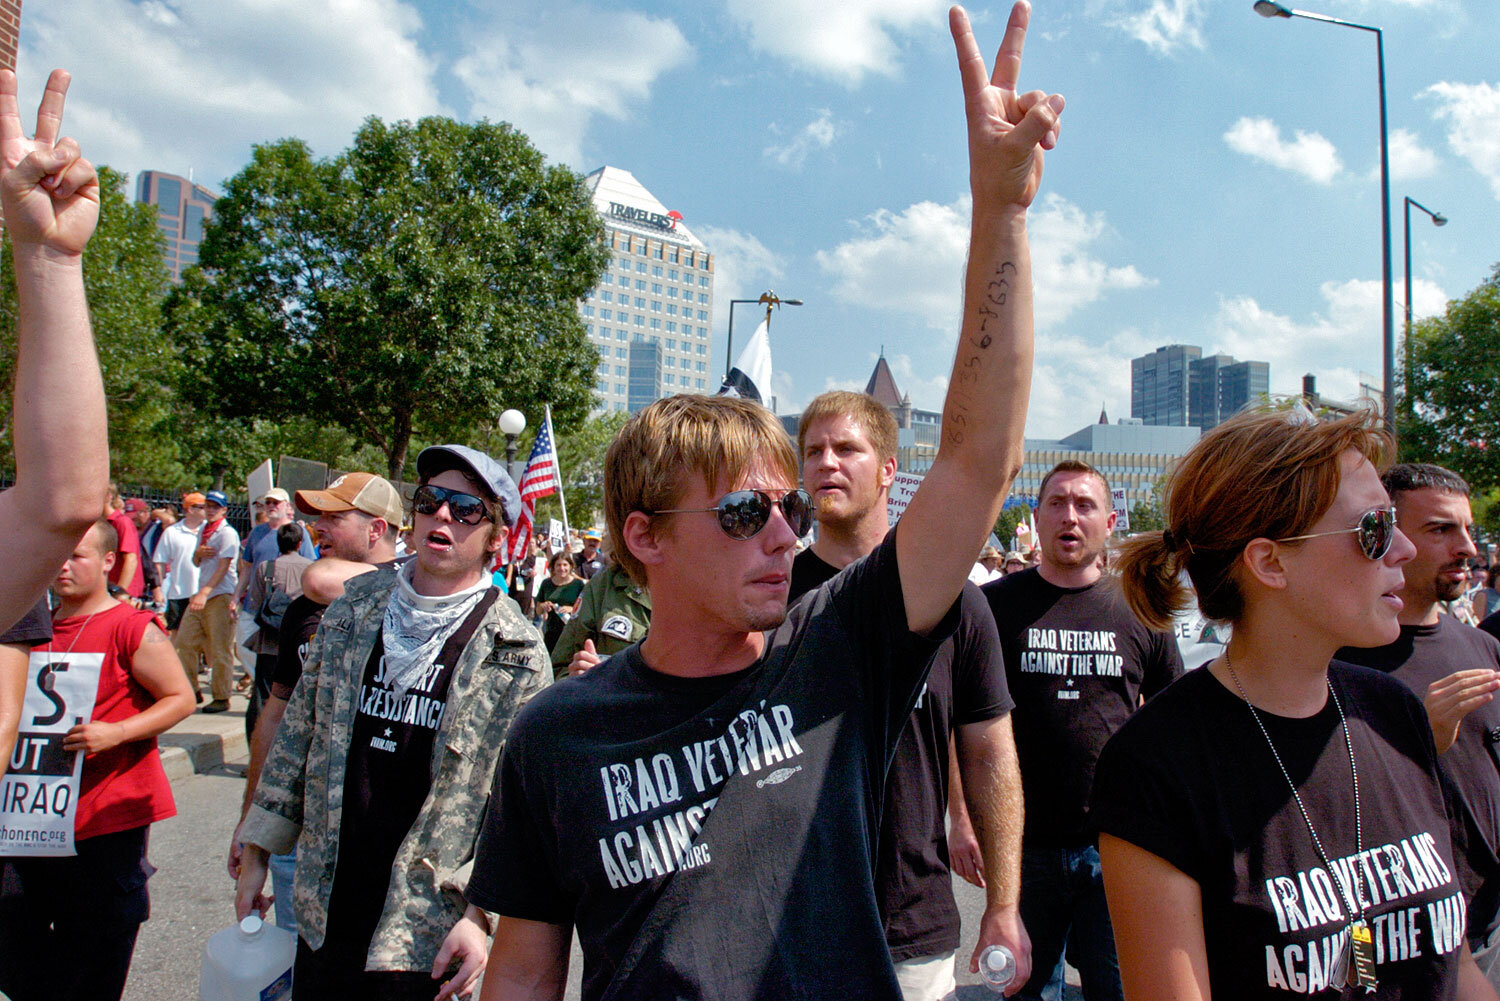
(226, 543)
(175, 551)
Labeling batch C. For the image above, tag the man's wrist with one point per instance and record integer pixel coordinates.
(1008, 215)
(36, 259)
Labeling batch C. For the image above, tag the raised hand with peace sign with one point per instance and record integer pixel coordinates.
(1007, 130)
(50, 193)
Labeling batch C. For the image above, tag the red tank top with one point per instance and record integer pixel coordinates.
(125, 786)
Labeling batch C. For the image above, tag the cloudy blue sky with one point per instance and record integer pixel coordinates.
(1216, 182)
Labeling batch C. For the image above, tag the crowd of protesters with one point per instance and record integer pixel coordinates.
(740, 742)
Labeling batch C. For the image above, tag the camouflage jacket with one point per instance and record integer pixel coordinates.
(299, 800)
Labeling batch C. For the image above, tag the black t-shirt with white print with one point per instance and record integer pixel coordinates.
(913, 881)
(1420, 656)
(1079, 664)
(713, 838)
(1191, 779)
(388, 774)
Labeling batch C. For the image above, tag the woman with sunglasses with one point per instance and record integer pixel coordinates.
(1275, 824)
(558, 596)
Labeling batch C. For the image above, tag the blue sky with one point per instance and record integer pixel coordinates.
(1216, 181)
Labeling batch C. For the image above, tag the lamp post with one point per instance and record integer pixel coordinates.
(769, 299)
(1438, 219)
(512, 423)
(1268, 8)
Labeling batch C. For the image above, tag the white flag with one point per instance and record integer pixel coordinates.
(751, 375)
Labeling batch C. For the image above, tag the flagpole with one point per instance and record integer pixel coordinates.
(561, 501)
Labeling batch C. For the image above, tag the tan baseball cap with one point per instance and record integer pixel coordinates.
(365, 492)
(275, 493)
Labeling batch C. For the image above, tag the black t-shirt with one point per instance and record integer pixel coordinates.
(1491, 625)
(389, 771)
(1078, 663)
(1425, 654)
(298, 624)
(713, 838)
(1191, 779)
(966, 684)
(32, 628)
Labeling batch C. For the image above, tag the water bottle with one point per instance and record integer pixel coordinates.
(997, 968)
(250, 961)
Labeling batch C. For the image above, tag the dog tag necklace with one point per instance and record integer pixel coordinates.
(1360, 953)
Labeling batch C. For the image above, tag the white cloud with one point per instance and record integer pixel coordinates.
(912, 262)
(844, 40)
(1309, 154)
(1410, 160)
(177, 86)
(816, 134)
(1472, 111)
(1166, 25)
(743, 266)
(1339, 344)
(551, 84)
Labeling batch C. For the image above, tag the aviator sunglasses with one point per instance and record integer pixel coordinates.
(743, 513)
(466, 509)
(1375, 531)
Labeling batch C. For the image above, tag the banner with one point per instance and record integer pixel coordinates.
(39, 795)
(1122, 510)
(903, 489)
(259, 482)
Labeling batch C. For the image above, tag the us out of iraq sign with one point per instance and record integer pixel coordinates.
(903, 489)
(39, 794)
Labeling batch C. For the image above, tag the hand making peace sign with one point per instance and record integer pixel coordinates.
(1007, 131)
(50, 193)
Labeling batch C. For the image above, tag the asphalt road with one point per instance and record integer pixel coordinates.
(192, 897)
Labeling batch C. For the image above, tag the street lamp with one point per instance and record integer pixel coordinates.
(1268, 8)
(512, 423)
(1438, 219)
(768, 298)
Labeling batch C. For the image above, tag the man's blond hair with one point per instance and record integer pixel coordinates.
(863, 409)
(652, 459)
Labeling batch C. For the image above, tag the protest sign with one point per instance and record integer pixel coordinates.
(39, 794)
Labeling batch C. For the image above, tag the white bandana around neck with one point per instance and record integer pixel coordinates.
(417, 625)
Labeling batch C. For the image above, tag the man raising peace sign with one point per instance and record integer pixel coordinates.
(703, 806)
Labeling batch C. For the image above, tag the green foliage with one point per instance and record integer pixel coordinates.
(406, 290)
(1005, 525)
(1453, 415)
(125, 280)
(1146, 516)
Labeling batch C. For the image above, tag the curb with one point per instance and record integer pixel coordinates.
(185, 754)
(203, 742)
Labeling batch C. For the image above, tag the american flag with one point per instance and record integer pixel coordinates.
(539, 480)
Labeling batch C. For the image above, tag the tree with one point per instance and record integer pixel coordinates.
(1452, 417)
(1010, 516)
(125, 280)
(413, 286)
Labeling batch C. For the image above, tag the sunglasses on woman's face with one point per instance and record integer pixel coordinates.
(743, 513)
(466, 509)
(1375, 532)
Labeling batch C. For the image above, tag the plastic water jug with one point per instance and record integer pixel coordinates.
(997, 968)
(250, 961)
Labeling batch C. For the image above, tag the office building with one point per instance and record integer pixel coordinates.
(1131, 455)
(1176, 386)
(651, 314)
(182, 208)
